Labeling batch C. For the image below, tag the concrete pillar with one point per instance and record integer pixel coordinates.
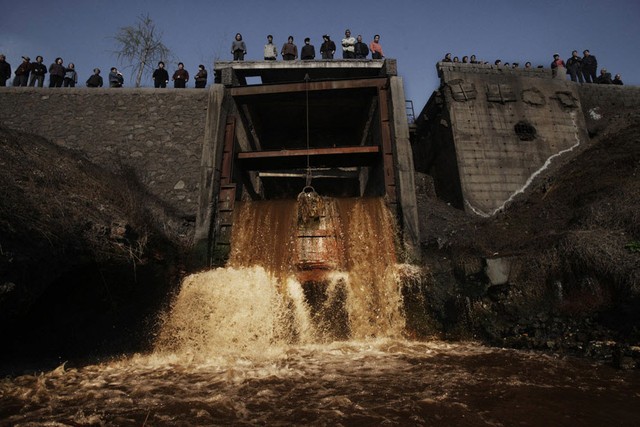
(213, 139)
(405, 179)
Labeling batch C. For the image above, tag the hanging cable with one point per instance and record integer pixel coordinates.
(308, 177)
(310, 204)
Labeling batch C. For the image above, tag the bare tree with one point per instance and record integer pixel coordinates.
(141, 46)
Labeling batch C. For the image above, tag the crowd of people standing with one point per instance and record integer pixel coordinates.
(580, 69)
(33, 74)
(352, 48)
(583, 69)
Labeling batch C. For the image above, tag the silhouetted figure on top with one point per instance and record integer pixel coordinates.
(589, 67)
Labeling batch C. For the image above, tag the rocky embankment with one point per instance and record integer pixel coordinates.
(86, 257)
(558, 269)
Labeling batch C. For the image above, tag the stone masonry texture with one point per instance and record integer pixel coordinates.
(156, 134)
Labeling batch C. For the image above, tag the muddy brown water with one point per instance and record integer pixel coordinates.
(368, 383)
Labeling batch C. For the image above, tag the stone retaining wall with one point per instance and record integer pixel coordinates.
(157, 134)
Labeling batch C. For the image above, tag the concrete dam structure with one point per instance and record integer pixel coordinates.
(337, 127)
(489, 131)
(266, 130)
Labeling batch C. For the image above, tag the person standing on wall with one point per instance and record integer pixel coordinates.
(116, 79)
(201, 77)
(96, 79)
(38, 70)
(70, 75)
(270, 51)
(308, 51)
(56, 73)
(180, 77)
(160, 76)
(589, 67)
(360, 49)
(289, 50)
(348, 43)
(238, 48)
(375, 48)
(5, 70)
(574, 67)
(328, 47)
(557, 67)
(22, 72)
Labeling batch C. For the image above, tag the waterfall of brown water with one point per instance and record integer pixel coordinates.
(258, 301)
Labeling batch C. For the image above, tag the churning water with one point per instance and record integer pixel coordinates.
(253, 344)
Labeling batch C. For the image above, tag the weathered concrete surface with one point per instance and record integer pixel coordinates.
(504, 128)
(405, 180)
(214, 132)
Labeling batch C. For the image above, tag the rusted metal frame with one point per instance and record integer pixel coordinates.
(367, 126)
(387, 145)
(309, 152)
(301, 87)
(225, 201)
(244, 109)
(227, 151)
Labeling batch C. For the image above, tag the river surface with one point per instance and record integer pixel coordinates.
(368, 383)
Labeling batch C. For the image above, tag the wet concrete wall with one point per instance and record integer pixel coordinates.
(156, 134)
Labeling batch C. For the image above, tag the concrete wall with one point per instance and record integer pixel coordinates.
(483, 109)
(158, 134)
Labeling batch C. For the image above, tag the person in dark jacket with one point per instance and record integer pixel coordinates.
(360, 49)
(589, 67)
(5, 70)
(116, 79)
(22, 72)
(201, 77)
(96, 79)
(160, 76)
(70, 75)
(38, 70)
(308, 51)
(604, 78)
(238, 48)
(289, 50)
(328, 47)
(617, 80)
(56, 73)
(180, 77)
(574, 67)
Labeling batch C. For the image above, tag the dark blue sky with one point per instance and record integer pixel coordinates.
(415, 32)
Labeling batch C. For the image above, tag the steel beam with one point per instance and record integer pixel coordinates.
(242, 91)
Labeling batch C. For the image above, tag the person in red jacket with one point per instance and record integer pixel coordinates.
(375, 48)
(557, 66)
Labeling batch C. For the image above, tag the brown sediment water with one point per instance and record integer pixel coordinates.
(259, 302)
(251, 344)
